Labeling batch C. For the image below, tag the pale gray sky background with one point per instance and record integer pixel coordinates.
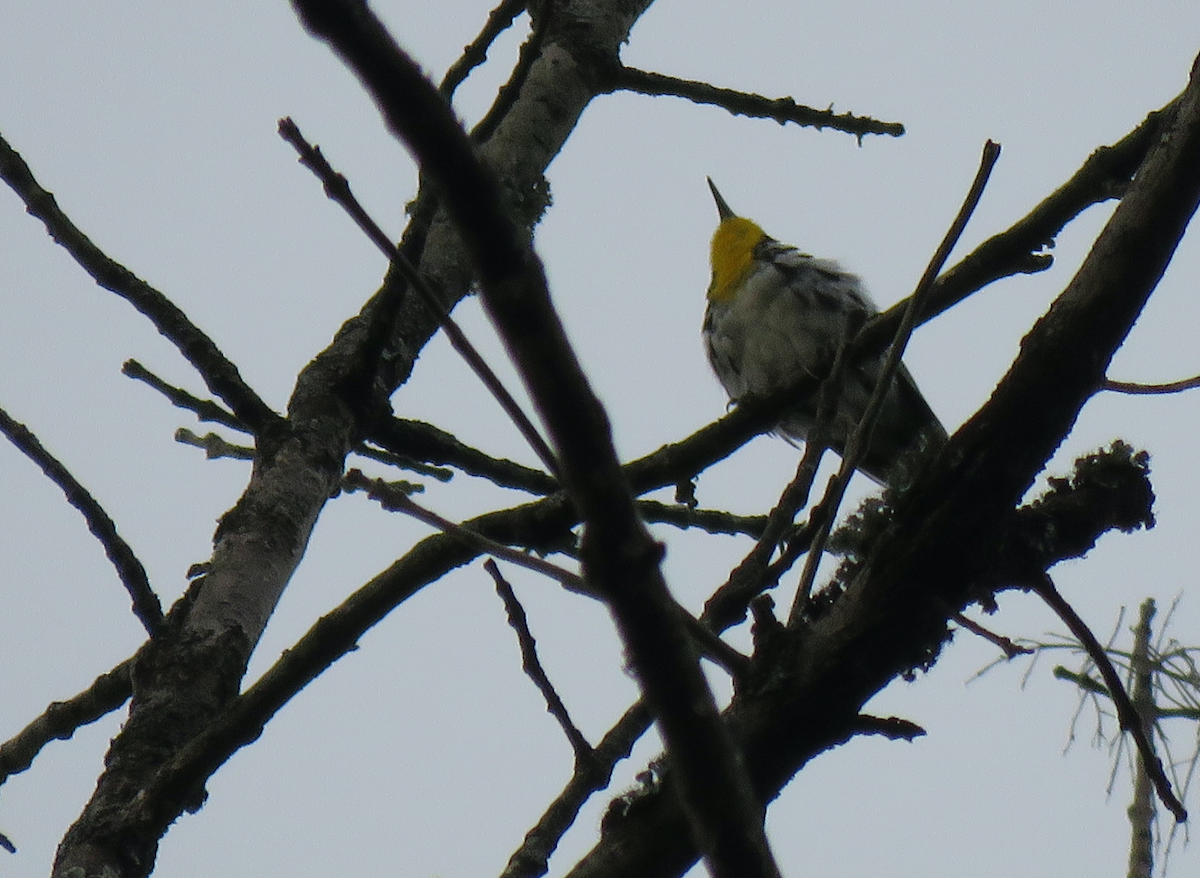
(427, 752)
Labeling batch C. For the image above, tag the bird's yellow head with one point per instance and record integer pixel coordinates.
(733, 246)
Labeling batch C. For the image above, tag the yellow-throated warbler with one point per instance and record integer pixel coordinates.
(775, 314)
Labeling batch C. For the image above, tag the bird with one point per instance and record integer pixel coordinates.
(775, 314)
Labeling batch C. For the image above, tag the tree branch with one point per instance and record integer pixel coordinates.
(1022, 248)
(1127, 714)
(60, 720)
(499, 20)
(533, 666)
(219, 373)
(1170, 387)
(532, 858)
(428, 443)
(204, 409)
(782, 110)
(129, 569)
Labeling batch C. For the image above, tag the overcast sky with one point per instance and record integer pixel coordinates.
(426, 752)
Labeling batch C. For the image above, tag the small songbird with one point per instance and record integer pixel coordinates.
(775, 314)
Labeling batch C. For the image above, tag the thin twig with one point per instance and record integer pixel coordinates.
(1007, 645)
(474, 53)
(403, 461)
(389, 498)
(337, 187)
(1127, 714)
(782, 110)
(509, 92)
(714, 521)
(406, 437)
(1169, 387)
(860, 440)
(533, 666)
(129, 569)
(218, 372)
(215, 447)
(207, 410)
(204, 409)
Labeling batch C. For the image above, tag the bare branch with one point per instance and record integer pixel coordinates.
(711, 645)
(215, 447)
(1007, 645)
(1127, 714)
(499, 20)
(782, 110)
(429, 443)
(711, 520)
(533, 666)
(531, 859)
(378, 489)
(540, 12)
(1170, 387)
(403, 461)
(728, 603)
(129, 569)
(1141, 810)
(204, 409)
(60, 720)
(219, 373)
(1023, 247)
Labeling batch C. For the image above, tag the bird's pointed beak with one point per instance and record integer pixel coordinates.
(723, 209)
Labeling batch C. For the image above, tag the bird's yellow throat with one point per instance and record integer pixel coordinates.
(733, 246)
